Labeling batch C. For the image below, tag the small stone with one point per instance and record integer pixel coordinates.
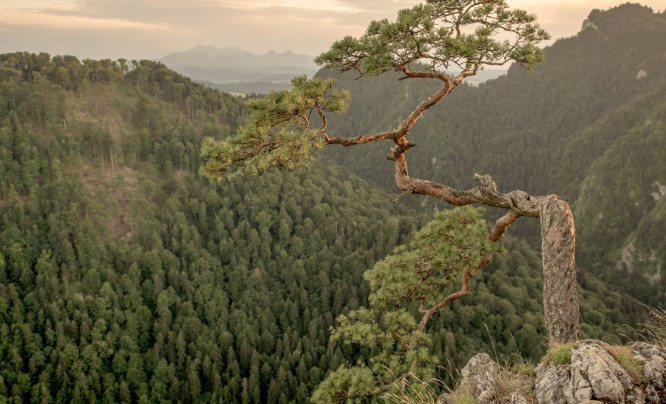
(516, 398)
(636, 396)
(651, 394)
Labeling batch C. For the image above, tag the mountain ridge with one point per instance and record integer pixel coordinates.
(239, 71)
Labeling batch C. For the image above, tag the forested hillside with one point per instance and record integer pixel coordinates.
(587, 124)
(126, 277)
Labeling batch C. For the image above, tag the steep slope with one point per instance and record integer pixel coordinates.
(545, 132)
(126, 277)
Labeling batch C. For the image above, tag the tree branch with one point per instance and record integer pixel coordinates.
(520, 202)
(500, 227)
(353, 141)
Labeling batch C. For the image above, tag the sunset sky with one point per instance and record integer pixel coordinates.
(150, 29)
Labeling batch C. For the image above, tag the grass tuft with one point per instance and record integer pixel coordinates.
(464, 394)
(414, 391)
(559, 355)
(654, 330)
(625, 357)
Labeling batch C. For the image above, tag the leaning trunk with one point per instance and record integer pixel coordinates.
(560, 300)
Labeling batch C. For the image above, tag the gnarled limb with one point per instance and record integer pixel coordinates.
(557, 233)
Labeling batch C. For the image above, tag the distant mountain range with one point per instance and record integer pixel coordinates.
(236, 70)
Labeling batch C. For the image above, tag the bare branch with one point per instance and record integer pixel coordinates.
(353, 141)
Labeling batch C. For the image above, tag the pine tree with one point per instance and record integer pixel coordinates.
(445, 41)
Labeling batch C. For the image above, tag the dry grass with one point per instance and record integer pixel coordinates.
(654, 330)
(415, 391)
(625, 357)
(464, 394)
(508, 382)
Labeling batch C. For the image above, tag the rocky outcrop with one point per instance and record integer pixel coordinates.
(598, 373)
(482, 370)
(489, 383)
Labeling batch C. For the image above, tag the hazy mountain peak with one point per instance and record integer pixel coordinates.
(209, 55)
(235, 65)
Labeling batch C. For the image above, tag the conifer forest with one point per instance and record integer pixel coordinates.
(128, 275)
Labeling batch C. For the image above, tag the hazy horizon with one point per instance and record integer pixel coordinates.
(150, 29)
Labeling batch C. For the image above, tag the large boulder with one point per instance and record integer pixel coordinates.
(490, 383)
(598, 373)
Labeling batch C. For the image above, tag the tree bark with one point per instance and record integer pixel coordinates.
(560, 299)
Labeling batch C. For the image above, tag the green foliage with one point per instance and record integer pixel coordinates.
(559, 355)
(426, 268)
(343, 384)
(123, 277)
(425, 271)
(438, 35)
(278, 133)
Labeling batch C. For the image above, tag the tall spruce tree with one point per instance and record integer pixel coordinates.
(446, 41)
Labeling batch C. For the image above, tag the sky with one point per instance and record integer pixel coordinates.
(151, 29)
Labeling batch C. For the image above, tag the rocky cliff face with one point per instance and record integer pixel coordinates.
(597, 373)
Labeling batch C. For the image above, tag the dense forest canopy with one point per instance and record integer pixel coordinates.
(126, 277)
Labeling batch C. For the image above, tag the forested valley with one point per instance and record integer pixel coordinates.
(125, 276)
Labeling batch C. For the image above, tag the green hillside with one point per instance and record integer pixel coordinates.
(126, 277)
(587, 124)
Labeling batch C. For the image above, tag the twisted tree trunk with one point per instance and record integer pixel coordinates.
(560, 298)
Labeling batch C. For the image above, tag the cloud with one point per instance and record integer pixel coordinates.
(32, 18)
(153, 28)
(379, 6)
(256, 25)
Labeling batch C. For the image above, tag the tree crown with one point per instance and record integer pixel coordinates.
(430, 38)
(442, 34)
